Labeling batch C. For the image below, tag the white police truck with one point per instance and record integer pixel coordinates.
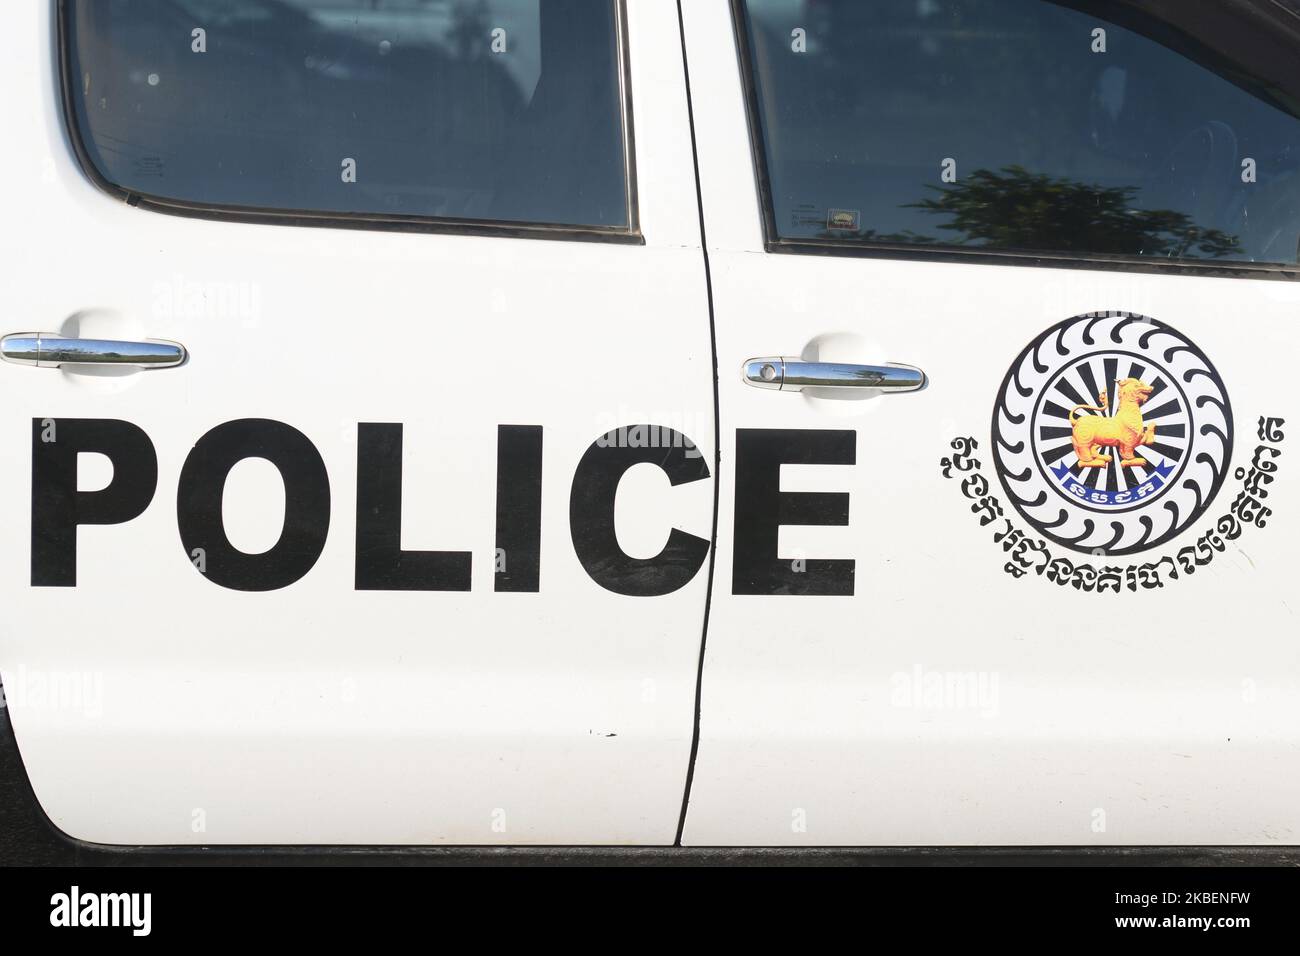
(725, 422)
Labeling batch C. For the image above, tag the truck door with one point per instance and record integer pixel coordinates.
(408, 548)
(1037, 592)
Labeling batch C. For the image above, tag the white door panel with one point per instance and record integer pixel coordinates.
(319, 713)
(948, 701)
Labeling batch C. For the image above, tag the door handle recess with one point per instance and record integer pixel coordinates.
(794, 375)
(45, 350)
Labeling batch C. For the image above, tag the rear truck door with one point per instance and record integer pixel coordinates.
(408, 548)
(1042, 593)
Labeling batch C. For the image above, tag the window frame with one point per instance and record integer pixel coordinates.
(629, 234)
(859, 249)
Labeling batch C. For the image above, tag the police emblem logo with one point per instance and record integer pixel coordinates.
(1112, 433)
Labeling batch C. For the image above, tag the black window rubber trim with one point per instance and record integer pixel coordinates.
(858, 249)
(624, 235)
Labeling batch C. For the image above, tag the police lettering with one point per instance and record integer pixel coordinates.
(381, 564)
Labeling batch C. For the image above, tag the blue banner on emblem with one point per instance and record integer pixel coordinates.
(1093, 496)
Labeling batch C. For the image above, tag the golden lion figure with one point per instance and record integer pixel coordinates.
(1124, 430)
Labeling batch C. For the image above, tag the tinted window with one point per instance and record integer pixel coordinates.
(1072, 127)
(464, 109)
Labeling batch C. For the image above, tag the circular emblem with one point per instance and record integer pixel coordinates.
(1112, 433)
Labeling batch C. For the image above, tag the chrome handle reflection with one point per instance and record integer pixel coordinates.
(45, 350)
(794, 375)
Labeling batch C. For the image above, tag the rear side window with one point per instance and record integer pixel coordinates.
(506, 111)
(1075, 128)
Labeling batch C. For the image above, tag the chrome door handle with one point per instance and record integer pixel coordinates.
(793, 375)
(45, 350)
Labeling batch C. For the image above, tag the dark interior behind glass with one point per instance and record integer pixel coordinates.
(502, 110)
(1135, 151)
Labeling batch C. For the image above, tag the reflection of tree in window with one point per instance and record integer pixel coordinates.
(1137, 151)
(1017, 209)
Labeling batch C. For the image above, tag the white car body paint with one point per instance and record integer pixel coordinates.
(1171, 715)
(319, 714)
